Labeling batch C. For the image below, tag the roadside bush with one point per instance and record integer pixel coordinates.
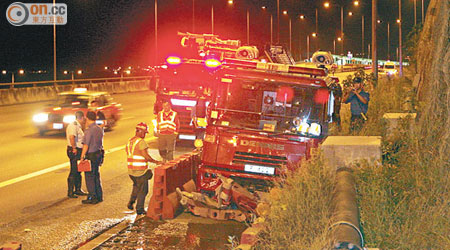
(299, 214)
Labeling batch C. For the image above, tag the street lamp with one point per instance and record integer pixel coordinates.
(301, 18)
(399, 21)
(314, 35)
(388, 39)
(285, 12)
(271, 24)
(20, 72)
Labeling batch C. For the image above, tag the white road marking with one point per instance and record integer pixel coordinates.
(129, 117)
(59, 166)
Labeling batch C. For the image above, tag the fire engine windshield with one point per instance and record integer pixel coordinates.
(80, 101)
(269, 106)
(188, 81)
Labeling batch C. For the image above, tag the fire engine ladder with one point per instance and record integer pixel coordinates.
(274, 67)
(279, 54)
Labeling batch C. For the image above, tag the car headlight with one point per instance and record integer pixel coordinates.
(314, 129)
(41, 117)
(68, 118)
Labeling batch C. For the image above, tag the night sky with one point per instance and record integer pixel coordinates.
(121, 32)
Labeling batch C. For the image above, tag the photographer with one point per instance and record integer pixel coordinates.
(359, 103)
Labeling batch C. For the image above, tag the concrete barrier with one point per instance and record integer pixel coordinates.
(342, 151)
(392, 120)
(46, 93)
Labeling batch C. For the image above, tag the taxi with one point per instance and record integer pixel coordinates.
(61, 112)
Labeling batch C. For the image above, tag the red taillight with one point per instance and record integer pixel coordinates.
(173, 60)
(212, 63)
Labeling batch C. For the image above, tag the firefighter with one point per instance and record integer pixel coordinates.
(168, 125)
(138, 167)
(198, 116)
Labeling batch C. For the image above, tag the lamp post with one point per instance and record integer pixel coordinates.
(307, 47)
(54, 46)
(20, 72)
(301, 18)
(415, 13)
(212, 19)
(334, 47)
(374, 39)
(156, 32)
(271, 24)
(193, 16)
(314, 35)
(422, 12)
(285, 12)
(278, 21)
(79, 72)
(248, 27)
(388, 39)
(400, 37)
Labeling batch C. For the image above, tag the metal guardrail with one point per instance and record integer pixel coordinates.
(70, 82)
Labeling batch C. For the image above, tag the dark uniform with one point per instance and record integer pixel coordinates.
(93, 138)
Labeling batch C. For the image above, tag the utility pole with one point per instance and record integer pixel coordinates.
(193, 16)
(389, 41)
(290, 35)
(362, 36)
(400, 37)
(156, 32)
(271, 29)
(307, 47)
(317, 21)
(422, 12)
(342, 28)
(54, 47)
(248, 27)
(278, 21)
(374, 39)
(415, 13)
(212, 19)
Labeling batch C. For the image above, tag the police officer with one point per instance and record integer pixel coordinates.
(92, 146)
(168, 125)
(138, 167)
(74, 134)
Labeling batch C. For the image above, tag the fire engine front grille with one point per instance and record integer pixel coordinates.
(259, 159)
(55, 118)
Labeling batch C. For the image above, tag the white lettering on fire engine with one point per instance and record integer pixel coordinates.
(261, 144)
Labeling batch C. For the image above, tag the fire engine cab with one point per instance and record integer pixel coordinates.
(265, 117)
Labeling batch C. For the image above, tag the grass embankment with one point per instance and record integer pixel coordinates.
(404, 203)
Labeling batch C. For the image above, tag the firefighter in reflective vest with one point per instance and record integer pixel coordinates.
(198, 116)
(138, 167)
(168, 125)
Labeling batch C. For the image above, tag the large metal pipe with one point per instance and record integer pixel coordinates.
(345, 230)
